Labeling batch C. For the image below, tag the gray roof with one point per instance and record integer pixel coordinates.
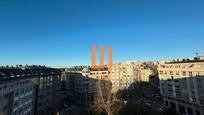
(12, 73)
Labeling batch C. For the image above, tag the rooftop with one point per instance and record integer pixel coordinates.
(22, 72)
(194, 60)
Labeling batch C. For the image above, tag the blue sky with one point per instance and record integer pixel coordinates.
(61, 32)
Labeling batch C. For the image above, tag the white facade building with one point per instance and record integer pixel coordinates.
(182, 85)
(124, 74)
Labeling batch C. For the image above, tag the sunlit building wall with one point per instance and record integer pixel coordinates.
(182, 85)
(124, 74)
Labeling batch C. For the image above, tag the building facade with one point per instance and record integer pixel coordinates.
(182, 85)
(17, 97)
(121, 76)
(28, 90)
(82, 85)
(124, 74)
(48, 95)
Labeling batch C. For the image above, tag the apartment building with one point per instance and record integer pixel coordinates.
(144, 74)
(182, 85)
(17, 97)
(29, 90)
(123, 74)
(82, 85)
(82, 82)
(48, 93)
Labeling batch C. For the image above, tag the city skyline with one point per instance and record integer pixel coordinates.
(61, 33)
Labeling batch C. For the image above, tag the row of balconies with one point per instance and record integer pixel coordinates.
(181, 73)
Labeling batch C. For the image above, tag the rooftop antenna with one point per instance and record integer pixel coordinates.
(196, 53)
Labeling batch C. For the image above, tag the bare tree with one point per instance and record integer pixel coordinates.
(102, 95)
(151, 65)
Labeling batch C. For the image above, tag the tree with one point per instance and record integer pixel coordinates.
(102, 97)
(105, 102)
(151, 65)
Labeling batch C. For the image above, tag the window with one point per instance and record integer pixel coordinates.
(200, 86)
(16, 94)
(15, 104)
(184, 73)
(5, 86)
(26, 89)
(190, 73)
(22, 91)
(171, 72)
(166, 103)
(7, 95)
(103, 72)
